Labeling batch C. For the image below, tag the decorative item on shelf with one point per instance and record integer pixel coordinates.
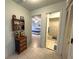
(21, 33)
(21, 18)
(13, 17)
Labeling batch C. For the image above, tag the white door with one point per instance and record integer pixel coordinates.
(67, 46)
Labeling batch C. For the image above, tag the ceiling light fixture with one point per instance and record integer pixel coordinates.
(23, 0)
(33, 1)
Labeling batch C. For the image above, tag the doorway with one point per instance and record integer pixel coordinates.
(52, 34)
(36, 29)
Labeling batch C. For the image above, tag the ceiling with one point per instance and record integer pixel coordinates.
(30, 5)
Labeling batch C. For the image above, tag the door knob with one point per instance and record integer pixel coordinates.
(71, 40)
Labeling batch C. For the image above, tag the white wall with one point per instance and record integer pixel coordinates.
(57, 7)
(14, 8)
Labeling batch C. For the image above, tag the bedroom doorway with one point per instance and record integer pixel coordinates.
(36, 29)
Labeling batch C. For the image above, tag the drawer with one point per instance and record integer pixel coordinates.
(22, 44)
(22, 48)
(21, 37)
(23, 40)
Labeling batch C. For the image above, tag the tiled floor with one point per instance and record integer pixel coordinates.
(35, 52)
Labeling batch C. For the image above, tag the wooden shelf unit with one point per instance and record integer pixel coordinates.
(17, 24)
(18, 30)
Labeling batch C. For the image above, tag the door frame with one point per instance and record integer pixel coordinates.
(61, 17)
(31, 26)
(47, 27)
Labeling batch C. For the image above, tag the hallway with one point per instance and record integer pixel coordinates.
(18, 29)
(35, 52)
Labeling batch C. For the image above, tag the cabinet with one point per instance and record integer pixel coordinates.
(20, 44)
